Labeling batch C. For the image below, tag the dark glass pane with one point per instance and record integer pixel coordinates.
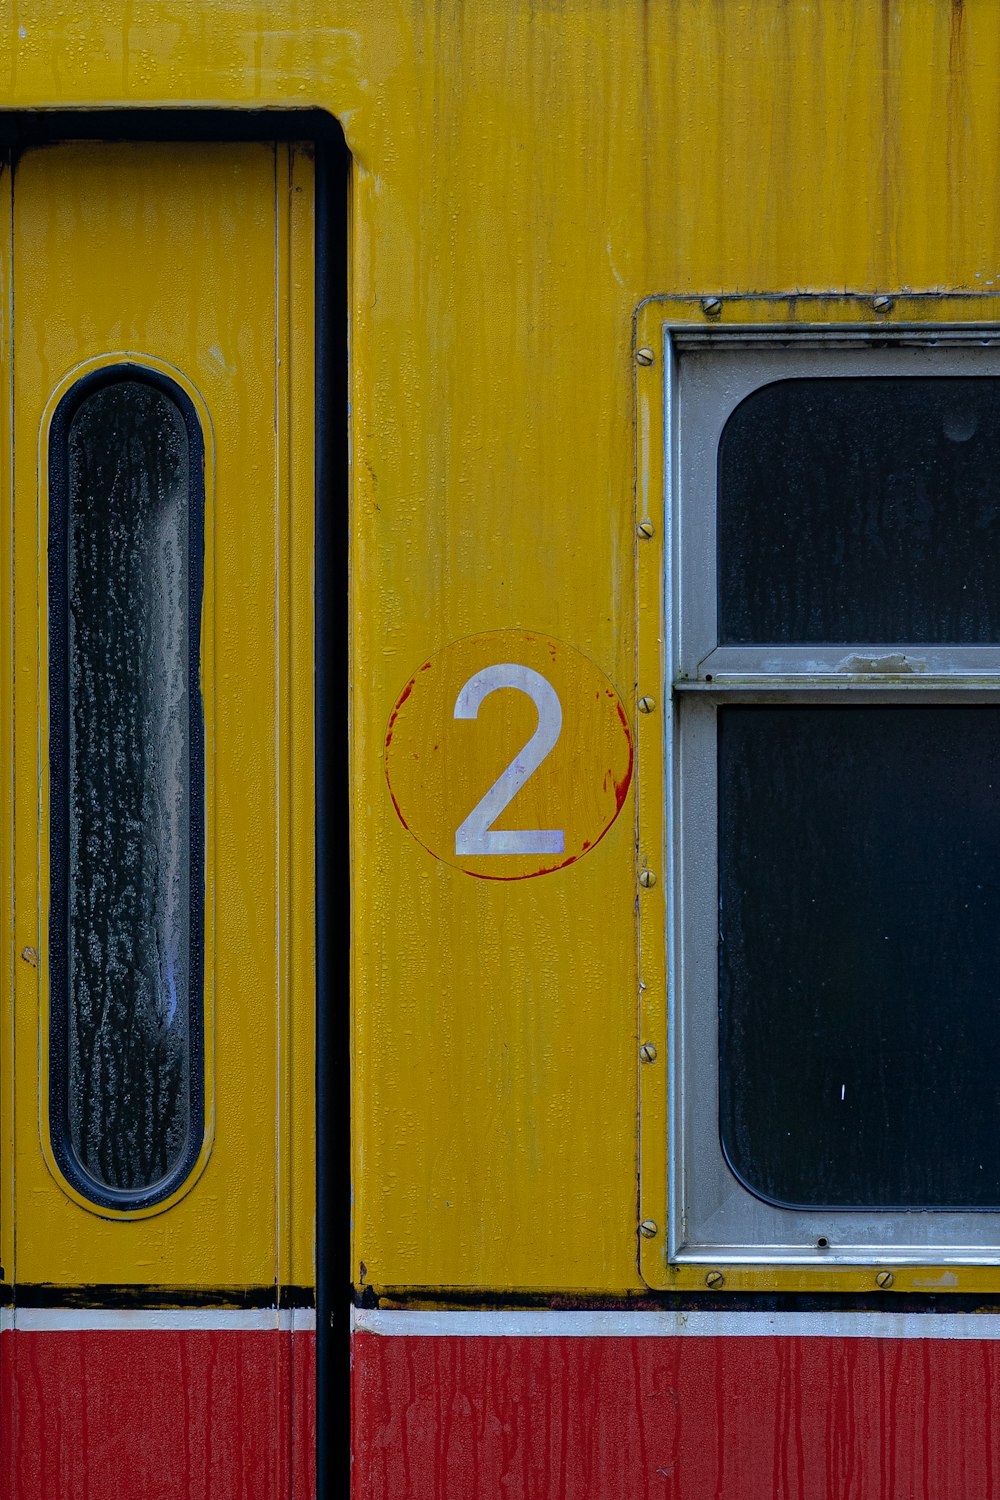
(861, 510)
(859, 954)
(127, 883)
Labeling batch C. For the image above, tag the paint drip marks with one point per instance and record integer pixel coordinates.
(395, 712)
(762, 1416)
(621, 787)
(402, 699)
(527, 874)
(388, 738)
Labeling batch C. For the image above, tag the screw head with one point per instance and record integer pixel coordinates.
(645, 356)
(711, 306)
(645, 528)
(648, 1228)
(646, 705)
(884, 1279)
(647, 878)
(647, 1052)
(715, 1279)
(883, 304)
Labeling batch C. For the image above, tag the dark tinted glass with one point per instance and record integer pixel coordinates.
(862, 510)
(127, 792)
(859, 954)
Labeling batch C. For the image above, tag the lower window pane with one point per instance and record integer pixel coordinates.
(859, 954)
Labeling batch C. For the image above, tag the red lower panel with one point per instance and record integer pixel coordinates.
(682, 1418)
(157, 1415)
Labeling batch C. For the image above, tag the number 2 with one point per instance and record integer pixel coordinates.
(477, 835)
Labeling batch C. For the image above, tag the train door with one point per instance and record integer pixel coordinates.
(159, 849)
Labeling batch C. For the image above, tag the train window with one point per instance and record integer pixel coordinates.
(861, 509)
(852, 997)
(127, 787)
(834, 797)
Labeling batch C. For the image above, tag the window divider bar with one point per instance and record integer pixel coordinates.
(834, 688)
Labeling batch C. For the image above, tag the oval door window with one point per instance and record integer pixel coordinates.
(126, 758)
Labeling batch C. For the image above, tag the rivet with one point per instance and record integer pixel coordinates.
(711, 306)
(647, 1052)
(646, 528)
(648, 1228)
(646, 705)
(884, 1279)
(647, 878)
(645, 356)
(715, 1279)
(30, 957)
(882, 303)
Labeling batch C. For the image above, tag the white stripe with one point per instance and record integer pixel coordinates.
(164, 1319)
(606, 1325)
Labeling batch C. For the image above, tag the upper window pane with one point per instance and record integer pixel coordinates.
(127, 793)
(861, 510)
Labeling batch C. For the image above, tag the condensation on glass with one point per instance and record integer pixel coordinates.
(863, 509)
(126, 767)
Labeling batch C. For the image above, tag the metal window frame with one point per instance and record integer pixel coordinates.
(691, 374)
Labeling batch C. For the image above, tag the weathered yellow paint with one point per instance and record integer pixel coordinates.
(155, 254)
(650, 780)
(526, 174)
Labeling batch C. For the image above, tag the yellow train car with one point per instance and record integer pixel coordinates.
(501, 535)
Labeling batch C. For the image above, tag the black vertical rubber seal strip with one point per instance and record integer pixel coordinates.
(333, 1292)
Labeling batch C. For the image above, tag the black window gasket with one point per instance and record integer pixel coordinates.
(59, 789)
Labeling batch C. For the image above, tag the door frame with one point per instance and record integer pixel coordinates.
(331, 407)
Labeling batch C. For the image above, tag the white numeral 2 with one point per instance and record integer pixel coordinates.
(476, 835)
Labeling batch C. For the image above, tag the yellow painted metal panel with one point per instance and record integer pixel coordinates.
(730, 148)
(183, 257)
(587, 156)
(526, 174)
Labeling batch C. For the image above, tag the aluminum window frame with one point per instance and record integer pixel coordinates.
(707, 372)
